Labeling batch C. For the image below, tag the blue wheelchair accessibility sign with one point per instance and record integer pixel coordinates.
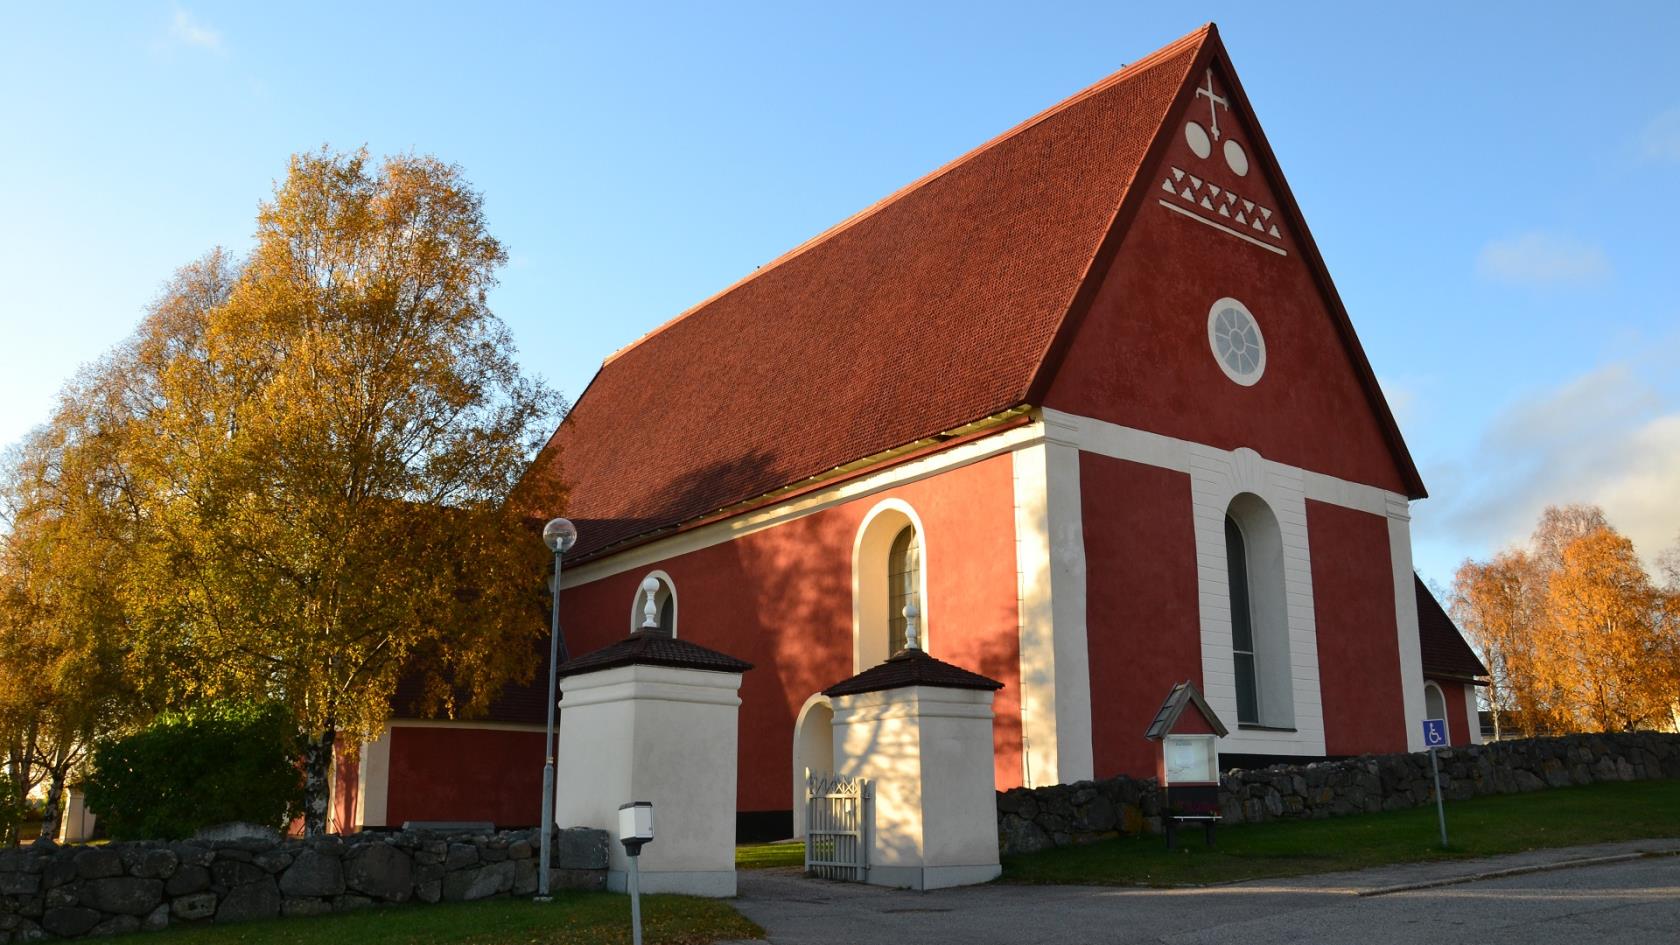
(1435, 736)
(1435, 733)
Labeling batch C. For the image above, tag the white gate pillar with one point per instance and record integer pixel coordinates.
(653, 718)
(921, 729)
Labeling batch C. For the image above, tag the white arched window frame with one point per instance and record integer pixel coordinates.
(1259, 621)
(871, 566)
(1217, 478)
(665, 600)
(1434, 701)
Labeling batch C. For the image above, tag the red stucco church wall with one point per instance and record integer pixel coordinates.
(1141, 620)
(1358, 645)
(781, 598)
(449, 773)
(1141, 357)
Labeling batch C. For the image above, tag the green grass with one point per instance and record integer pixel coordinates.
(1483, 826)
(575, 917)
(762, 856)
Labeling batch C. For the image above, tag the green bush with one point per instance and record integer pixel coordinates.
(188, 770)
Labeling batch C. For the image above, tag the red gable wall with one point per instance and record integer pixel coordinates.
(1358, 645)
(1141, 357)
(1142, 625)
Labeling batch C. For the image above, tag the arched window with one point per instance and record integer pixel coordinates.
(904, 584)
(1242, 624)
(1434, 702)
(664, 603)
(1264, 679)
(890, 562)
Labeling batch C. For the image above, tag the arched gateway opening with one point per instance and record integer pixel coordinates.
(813, 748)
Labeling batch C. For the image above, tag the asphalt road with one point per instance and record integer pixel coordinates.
(1635, 900)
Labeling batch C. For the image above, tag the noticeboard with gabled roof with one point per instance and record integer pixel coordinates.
(1188, 731)
(1171, 714)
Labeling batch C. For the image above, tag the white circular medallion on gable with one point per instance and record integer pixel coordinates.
(1236, 157)
(1197, 137)
(1234, 336)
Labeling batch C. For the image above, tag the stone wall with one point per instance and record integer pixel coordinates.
(1064, 814)
(72, 891)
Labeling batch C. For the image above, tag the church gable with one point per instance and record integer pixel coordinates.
(1214, 320)
(1209, 172)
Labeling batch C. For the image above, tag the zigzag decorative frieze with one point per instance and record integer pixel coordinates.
(1244, 213)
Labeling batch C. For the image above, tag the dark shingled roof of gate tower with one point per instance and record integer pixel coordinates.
(824, 356)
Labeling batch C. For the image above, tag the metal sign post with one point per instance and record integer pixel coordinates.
(1435, 736)
(635, 830)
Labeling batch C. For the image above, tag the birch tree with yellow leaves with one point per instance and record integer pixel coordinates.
(1576, 634)
(327, 454)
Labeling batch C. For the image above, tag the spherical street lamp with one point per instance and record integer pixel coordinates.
(559, 535)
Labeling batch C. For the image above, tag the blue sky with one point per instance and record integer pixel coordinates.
(1493, 187)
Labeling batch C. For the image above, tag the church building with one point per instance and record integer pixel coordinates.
(1084, 402)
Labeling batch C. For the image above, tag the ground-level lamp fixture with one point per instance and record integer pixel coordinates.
(635, 829)
(559, 535)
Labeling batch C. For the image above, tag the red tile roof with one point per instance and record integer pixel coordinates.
(938, 307)
(928, 311)
(1445, 653)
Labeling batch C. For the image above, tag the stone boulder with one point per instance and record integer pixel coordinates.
(259, 900)
(70, 921)
(123, 895)
(313, 874)
(478, 883)
(380, 870)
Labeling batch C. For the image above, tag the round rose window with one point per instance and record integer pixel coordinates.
(1236, 341)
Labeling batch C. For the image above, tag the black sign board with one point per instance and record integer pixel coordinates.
(1192, 800)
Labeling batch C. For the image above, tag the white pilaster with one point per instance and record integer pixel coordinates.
(1050, 574)
(373, 782)
(1472, 714)
(1406, 619)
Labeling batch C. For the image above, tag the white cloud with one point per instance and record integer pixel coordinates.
(187, 31)
(1660, 141)
(1607, 437)
(1541, 258)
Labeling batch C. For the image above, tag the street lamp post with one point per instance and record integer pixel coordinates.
(559, 535)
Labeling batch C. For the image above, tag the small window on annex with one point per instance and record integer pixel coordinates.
(664, 603)
(1434, 703)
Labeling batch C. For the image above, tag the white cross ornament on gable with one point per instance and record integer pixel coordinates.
(1213, 101)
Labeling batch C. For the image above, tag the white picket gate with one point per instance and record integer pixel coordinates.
(838, 815)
